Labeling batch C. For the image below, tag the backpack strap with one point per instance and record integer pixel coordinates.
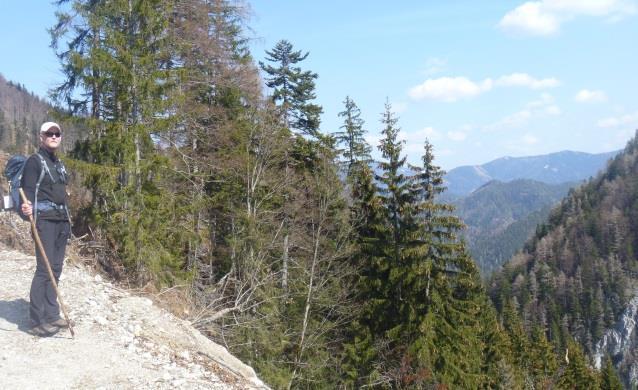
(44, 169)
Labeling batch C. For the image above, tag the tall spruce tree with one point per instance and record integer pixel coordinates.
(609, 379)
(293, 89)
(355, 149)
(115, 64)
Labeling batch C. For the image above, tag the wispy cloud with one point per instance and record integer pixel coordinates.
(447, 89)
(457, 135)
(545, 17)
(451, 89)
(434, 65)
(525, 80)
(529, 139)
(414, 140)
(587, 96)
(544, 105)
(621, 120)
(419, 136)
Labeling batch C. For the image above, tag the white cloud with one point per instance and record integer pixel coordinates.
(600, 8)
(456, 135)
(430, 133)
(587, 96)
(414, 140)
(617, 121)
(525, 80)
(451, 89)
(419, 136)
(447, 89)
(552, 110)
(542, 106)
(529, 139)
(530, 18)
(516, 119)
(544, 17)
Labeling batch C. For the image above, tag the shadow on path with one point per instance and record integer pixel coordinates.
(15, 312)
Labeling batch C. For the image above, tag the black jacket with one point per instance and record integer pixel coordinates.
(50, 190)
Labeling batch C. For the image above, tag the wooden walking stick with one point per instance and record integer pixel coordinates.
(46, 262)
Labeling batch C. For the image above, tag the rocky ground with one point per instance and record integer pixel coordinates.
(121, 341)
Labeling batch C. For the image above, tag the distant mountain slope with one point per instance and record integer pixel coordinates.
(22, 113)
(579, 272)
(554, 168)
(500, 217)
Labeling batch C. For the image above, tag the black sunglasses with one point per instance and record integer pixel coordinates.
(50, 134)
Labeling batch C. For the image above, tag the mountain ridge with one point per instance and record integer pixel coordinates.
(552, 168)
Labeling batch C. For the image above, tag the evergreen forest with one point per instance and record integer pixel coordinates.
(201, 166)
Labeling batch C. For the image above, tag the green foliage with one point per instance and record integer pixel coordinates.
(500, 217)
(609, 379)
(293, 88)
(124, 86)
(573, 282)
(194, 177)
(355, 149)
(424, 318)
(576, 373)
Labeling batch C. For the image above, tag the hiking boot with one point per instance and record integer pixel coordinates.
(43, 330)
(60, 323)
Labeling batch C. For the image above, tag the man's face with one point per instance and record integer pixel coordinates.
(51, 138)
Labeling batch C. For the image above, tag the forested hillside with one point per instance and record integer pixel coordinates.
(577, 274)
(22, 113)
(205, 169)
(500, 217)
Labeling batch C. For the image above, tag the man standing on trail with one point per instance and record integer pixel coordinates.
(53, 225)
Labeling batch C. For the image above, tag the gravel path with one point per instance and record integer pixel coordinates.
(121, 341)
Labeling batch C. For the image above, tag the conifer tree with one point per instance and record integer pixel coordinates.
(355, 148)
(577, 374)
(609, 379)
(542, 358)
(293, 89)
(115, 68)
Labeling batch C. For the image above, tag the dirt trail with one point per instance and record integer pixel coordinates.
(122, 341)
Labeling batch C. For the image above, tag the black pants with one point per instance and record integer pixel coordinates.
(44, 304)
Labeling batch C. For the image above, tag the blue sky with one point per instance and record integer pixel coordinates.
(480, 81)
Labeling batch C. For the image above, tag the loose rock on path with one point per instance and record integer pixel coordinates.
(121, 341)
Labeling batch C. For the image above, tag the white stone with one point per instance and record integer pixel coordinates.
(101, 320)
(98, 278)
(185, 355)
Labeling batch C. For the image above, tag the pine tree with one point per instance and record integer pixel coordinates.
(361, 356)
(116, 72)
(577, 374)
(293, 88)
(542, 361)
(355, 148)
(609, 379)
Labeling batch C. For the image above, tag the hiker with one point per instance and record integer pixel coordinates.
(53, 225)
